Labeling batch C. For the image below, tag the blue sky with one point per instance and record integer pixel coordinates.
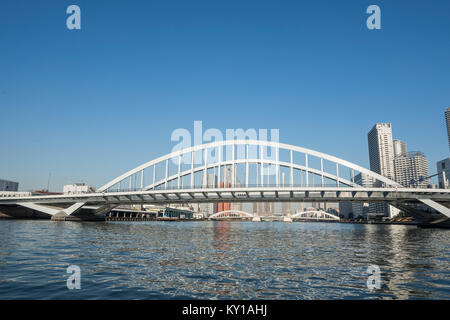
(87, 105)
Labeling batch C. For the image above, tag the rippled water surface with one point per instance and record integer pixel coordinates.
(221, 260)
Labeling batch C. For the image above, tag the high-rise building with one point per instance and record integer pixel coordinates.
(401, 162)
(399, 148)
(401, 165)
(381, 150)
(447, 121)
(381, 156)
(268, 208)
(419, 169)
(346, 209)
(412, 170)
(285, 207)
(257, 208)
(443, 169)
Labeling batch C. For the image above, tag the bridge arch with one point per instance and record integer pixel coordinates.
(315, 215)
(231, 214)
(190, 168)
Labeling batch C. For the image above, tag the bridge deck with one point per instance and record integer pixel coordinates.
(296, 194)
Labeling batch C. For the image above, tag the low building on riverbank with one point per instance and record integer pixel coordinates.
(176, 213)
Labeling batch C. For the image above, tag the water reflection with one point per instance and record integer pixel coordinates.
(221, 260)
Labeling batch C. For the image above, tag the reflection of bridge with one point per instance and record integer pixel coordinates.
(260, 171)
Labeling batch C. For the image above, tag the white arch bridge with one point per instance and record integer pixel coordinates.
(231, 214)
(241, 171)
(316, 215)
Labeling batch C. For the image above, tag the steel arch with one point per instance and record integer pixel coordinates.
(315, 215)
(242, 214)
(219, 145)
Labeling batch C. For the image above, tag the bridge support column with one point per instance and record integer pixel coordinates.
(56, 213)
(436, 206)
(441, 219)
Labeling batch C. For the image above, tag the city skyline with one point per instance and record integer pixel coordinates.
(86, 105)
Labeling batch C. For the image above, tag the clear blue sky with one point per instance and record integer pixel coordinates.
(88, 105)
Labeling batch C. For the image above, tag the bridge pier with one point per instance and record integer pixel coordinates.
(18, 212)
(427, 219)
(82, 215)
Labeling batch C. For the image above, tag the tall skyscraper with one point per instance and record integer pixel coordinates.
(412, 169)
(447, 121)
(381, 150)
(381, 156)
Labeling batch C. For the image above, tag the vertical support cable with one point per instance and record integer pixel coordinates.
(246, 165)
(301, 179)
(219, 166)
(321, 171)
(142, 179)
(179, 171)
(337, 175)
(277, 166)
(205, 170)
(167, 173)
(192, 169)
(307, 170)
(291, 178)
(233, 167)
(257, 174)
(262, 165)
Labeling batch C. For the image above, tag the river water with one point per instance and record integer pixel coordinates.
(221, 260)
